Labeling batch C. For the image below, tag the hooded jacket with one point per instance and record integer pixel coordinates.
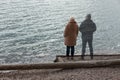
(87, 28)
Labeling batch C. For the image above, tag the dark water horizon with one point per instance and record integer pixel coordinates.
(31, 31)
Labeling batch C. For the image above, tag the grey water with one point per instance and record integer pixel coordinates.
(31, 31)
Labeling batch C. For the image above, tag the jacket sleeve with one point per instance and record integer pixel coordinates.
(65, 31)
(77, 29)
(81, 28)
(94, 27)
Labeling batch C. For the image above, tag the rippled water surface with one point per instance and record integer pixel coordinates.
(31, 31)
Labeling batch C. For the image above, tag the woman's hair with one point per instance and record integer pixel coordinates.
(72, 19)
(72, 23)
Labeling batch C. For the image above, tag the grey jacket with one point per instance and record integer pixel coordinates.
(87, 28)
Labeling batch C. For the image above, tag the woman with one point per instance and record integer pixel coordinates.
(70, 36)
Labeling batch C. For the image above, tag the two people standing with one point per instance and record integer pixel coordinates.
(87, 28)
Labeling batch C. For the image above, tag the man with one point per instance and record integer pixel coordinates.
(87, 28)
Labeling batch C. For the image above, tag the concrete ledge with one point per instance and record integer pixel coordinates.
(63, 65)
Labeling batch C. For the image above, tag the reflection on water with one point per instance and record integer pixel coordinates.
(31, 31)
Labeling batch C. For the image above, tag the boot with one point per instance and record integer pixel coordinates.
(82, 57)
(91, 55)
(67, 57)
(72, 58)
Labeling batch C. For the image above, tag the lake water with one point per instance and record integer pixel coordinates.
(31, 31)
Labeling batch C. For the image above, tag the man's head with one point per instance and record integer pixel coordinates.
(88, 17)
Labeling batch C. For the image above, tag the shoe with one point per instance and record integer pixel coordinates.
(91, 57)
(72, 58)
(91, 54)
(67, 57)
(82, 57)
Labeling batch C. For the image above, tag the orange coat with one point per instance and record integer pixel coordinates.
(71, 33)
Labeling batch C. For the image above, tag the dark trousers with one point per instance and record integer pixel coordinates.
(84, 42)
(68, 49)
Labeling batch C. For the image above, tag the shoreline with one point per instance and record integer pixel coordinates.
(96, 73)
(106, 73)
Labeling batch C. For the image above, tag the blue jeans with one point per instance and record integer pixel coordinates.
(84, 42)
(68, 49)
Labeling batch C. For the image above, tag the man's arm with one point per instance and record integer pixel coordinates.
(81, 27)
(94, 27)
